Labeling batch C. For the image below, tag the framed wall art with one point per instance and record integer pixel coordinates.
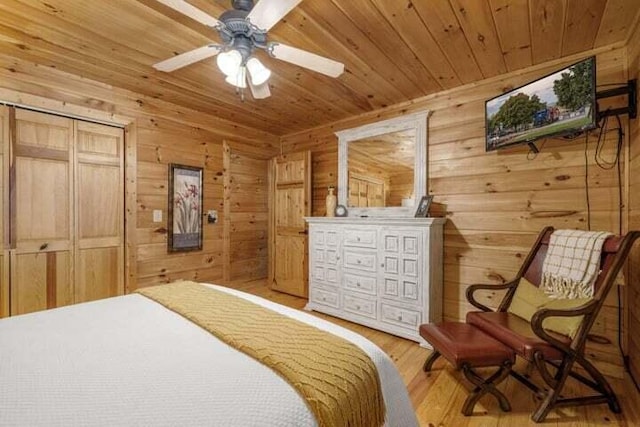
(185, 208)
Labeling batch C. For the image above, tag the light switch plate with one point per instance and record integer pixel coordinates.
(157, 215)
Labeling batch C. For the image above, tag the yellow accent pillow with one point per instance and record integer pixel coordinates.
(529, 298)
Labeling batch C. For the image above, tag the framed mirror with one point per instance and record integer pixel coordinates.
(382, 167)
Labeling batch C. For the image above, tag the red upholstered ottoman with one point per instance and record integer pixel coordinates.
(467, 347)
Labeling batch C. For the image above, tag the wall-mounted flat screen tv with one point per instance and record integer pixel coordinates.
(561, 103)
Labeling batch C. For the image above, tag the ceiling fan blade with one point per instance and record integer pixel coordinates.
(267, 13)
(305, 59)
(261, 91)
(191, 11)
(188, 58)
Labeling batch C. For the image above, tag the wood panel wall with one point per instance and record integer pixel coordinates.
(633, 296)
(246, 198)
(496, 202)
(165, 133)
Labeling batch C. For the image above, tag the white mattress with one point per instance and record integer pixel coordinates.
(128, 361)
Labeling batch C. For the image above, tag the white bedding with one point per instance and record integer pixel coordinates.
(128, 361)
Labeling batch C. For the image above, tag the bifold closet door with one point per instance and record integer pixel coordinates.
(100, 212)
(41, 214)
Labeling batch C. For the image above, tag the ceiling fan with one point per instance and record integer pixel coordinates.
(243, 30)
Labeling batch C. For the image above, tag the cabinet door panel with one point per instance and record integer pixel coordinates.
(40, 281)
(99, 201)
(42, 195)
(99, 274)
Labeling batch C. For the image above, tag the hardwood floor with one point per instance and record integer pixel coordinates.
(439, 395)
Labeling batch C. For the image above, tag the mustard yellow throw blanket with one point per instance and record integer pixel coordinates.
(336, 378)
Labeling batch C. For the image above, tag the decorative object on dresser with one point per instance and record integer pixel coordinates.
(423, 207)
(385, 273)
(341, 211)
(185, 208)
(331, 201)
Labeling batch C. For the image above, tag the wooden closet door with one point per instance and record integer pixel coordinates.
(41, 217)
(99, 184)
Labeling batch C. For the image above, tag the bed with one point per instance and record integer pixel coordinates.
(130, 361)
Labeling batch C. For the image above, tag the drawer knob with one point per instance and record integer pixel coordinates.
(358, 239)
(400, 318)
(358, 284)
(357, 307)
(359, 262)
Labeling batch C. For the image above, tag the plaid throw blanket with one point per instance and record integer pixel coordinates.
(572, 263)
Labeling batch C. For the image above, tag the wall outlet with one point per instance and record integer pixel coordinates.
(157, 215)
(212, 216)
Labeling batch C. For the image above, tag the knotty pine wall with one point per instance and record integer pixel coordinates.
(633, 296)
(166, 134)
(246, 200)
(495, 202)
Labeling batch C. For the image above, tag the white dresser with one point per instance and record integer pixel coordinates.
(385, 273)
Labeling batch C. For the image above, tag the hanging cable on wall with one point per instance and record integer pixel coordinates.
(609, 164)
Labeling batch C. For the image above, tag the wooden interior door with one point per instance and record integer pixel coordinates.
(290, 179)
(41, 211)
(99, 189)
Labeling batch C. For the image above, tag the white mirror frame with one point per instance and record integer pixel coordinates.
(417, 121)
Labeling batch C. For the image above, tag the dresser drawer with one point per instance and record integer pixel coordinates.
(361, 306)
(362, 238)
(324, 297)
(365, 261)
(400, 316)
(360, 283)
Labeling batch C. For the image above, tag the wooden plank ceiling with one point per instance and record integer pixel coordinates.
(394, 50)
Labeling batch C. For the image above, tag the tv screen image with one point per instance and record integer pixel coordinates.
(558, 104)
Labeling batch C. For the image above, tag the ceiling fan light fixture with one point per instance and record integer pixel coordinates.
(229, 62)
(238, 80)
(257, 71)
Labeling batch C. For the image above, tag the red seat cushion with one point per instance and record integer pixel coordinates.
(462, 343)
(516, 333)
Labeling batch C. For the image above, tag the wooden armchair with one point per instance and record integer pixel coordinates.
(543, 348)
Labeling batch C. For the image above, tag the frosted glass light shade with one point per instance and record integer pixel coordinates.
(229, 62)
(258, 72)
(239, 79)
